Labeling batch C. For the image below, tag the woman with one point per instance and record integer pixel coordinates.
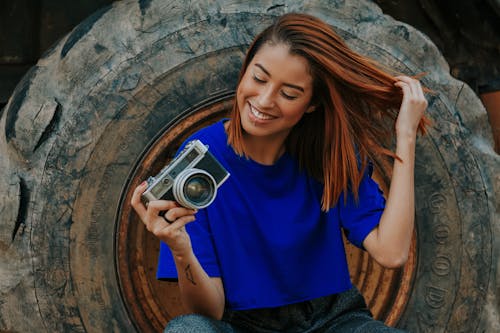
(307, 123)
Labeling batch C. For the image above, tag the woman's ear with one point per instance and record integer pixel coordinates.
(311, 108)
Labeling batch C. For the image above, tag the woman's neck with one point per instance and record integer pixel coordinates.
(264, 150)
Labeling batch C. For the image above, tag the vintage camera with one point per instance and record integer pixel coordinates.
(191, 179)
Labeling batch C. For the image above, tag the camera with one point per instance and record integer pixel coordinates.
(191, 178)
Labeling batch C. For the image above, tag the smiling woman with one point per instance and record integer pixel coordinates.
(275, 214)
(110, 104)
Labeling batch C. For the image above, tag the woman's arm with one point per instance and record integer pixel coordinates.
(199, 293)
(389, 243)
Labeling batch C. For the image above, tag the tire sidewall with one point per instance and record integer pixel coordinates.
(88, 168)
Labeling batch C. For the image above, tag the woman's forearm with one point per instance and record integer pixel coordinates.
(389, 243)
(199, 293)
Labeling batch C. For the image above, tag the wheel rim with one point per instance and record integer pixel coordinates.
(151, 303)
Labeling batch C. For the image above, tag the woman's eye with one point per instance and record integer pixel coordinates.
(287, 96)
(257, 79)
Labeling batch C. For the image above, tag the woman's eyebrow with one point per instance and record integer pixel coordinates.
(285, 84)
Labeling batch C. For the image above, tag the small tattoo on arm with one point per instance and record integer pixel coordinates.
(189, 274)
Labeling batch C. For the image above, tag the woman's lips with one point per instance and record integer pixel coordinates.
(260, 115)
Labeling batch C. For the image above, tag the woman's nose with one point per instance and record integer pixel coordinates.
(266, 97)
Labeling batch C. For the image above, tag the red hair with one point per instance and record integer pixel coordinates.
(354, 100)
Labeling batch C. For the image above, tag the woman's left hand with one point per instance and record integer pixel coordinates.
(412, 107)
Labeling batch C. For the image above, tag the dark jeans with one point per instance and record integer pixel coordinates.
(345, 312)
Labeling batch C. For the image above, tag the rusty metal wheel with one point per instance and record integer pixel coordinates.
(111, 102)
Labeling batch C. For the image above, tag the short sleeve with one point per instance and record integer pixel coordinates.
(203, 248)
(360, 217)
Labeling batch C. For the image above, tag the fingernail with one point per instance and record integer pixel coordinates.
(143, 183)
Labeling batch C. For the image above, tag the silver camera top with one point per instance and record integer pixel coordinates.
(191, 178)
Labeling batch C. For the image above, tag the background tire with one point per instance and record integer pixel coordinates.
(108, 105)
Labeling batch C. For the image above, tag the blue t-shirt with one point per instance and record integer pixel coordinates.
(265, 234)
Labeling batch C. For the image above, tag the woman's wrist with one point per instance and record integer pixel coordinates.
(406, 136)
(183, 256)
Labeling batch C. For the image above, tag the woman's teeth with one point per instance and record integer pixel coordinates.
(259, 115)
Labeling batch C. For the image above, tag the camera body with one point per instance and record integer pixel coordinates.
(191, 178)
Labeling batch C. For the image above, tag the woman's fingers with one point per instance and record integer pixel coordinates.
(405, 78)
(405, 87)
(413, 104)
(415, 88)
(173, 214)
(157, 206)
(165, 230)
(182, 221)
(136, 200)
(421, 91)
(412, 89)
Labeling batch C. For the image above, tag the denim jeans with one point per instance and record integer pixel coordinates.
(345, 312)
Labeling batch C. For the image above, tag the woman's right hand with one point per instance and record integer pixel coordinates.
(168, 227)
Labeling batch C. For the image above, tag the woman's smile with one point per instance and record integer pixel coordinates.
(257, 115)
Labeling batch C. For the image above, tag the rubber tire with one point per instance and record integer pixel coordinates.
(78, 123)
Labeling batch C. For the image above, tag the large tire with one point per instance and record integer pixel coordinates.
(111, 101)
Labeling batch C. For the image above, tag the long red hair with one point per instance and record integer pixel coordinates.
(356, 106)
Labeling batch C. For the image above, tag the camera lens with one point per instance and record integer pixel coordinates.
(197, 189)
(194, 188)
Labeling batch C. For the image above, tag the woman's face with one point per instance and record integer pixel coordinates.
(274, 93)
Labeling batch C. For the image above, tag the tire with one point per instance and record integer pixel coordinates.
(108, 105)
